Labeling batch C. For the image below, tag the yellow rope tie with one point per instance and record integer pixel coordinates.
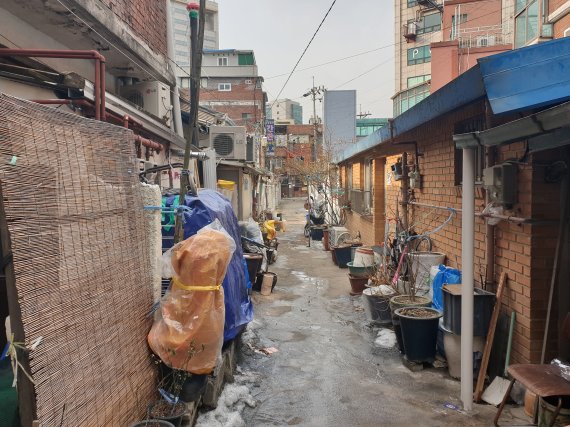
(181, 285)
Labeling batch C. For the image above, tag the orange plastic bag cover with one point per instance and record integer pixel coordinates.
(188, 329)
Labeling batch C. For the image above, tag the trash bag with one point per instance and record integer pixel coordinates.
(446, 275)
(188, 330)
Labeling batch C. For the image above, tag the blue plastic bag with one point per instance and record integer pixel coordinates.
(203, 210)
(445, 275)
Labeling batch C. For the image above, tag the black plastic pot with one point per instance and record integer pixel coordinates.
(152, 423)
(376, 307)
(175, 416)
(254, 262)
(342, 255)
(419, 334)
(317, 233)
(400, 301)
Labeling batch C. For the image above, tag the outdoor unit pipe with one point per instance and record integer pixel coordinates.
(148, 142)
(99, 84)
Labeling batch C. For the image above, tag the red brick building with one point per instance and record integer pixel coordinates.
(479, 105)
(231, 85)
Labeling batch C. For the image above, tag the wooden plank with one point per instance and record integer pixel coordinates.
(489, 342)
(26, 392)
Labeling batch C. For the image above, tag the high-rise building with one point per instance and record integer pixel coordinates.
(181, 30)
(339, 118)
(286, 110)
(418, 24)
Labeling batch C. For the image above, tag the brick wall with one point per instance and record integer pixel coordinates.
(561, 26)
(146, 18)
(524, 252)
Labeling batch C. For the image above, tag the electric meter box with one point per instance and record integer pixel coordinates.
(501, 183)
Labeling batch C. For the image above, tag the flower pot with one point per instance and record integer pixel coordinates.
(317, 233)
(377, 306)
(253, 262)
(400, 301)
(357, 284)
(360, 271)
(419, 332)
(342, 254)
(152, 423)
(162, 410)
(326, 239)
(452, 346)
(268, 283)
(363, 257)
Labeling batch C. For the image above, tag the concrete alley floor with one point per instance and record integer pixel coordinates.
(327, 371)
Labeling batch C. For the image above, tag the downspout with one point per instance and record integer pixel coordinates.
(405, 190)
(177, 119)
(467, 288)
(489, 229)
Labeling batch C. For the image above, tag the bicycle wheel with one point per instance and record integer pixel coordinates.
(422, 244)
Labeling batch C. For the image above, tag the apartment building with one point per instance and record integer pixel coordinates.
(285, 111)
(181, 36)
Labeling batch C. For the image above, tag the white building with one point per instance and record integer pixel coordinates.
(181, 29)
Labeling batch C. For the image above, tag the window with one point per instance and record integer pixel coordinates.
(349, 177)
(223, 61)
(184, 82)
(367, 197)
(419, 55)
(210, 22)
(408, 98)
(456, 21)
(204, 82)
(414, 81)
(526, 22)
(245, 59)
(356, 179)
(258, 84)
(412, 3)
(246, 116)
(428, 23)
(224, 87)
(248, 82)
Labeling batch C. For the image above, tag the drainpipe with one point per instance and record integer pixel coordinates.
(405, 190)
(489, 229)
(467, 264)
(177, 116)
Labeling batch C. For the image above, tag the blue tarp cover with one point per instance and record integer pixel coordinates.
(204, 209)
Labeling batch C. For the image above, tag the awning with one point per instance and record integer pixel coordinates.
(237, 164)
(546, 129)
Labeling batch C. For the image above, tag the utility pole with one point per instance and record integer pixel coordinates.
(314, 92)
(362, 115)
(197, 15)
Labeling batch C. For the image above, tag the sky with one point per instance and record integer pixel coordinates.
(279, 30)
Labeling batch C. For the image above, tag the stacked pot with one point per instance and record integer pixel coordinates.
(360, 269)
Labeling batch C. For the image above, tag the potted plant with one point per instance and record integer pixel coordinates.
(377, 297)
(419, 332)
(408, 298)
(357, 284)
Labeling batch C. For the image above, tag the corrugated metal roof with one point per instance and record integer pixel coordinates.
(518, 80)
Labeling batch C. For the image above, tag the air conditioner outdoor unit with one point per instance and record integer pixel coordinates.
(228, 141)
(151, 97)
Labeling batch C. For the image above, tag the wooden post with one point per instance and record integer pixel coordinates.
(489, 341)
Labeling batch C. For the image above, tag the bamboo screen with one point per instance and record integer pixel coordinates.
(81, 266)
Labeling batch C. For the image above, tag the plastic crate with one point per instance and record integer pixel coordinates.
(482, 310)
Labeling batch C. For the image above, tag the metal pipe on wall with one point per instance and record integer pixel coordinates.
(177, 116)
(489, 228)
(467, 266)
(99, 84)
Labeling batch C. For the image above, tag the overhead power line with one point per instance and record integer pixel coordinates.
(304, 51)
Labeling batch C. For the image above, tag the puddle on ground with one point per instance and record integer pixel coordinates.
(277, 310)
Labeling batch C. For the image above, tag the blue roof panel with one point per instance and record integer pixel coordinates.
(531, 77)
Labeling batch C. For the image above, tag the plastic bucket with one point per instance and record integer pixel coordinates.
(376, 307)
(452, 345)
(342, 255)
(419, 334)
(268, 283)
(363, 257)
(546, 408)
(253, 262)
(422, 262)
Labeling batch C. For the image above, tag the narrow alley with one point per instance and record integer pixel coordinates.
(327, 370)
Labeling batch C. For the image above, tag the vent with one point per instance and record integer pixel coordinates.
(224, 145)
(136, 98)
